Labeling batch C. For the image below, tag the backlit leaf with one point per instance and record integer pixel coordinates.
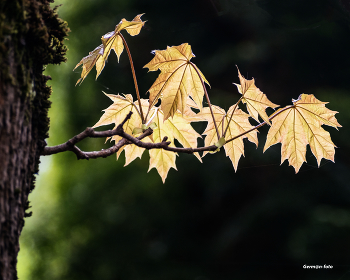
(161, 159)
(179, 78)
(110, 41)
(178, 127)
(239, 124)
(255, 100)
(299, 125)
(116, 113)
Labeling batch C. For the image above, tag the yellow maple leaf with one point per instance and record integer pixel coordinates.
(178, 127)
(256, 101)
(132, 151)
(298, 125)
(189, 114)
(161, 159)
(111, 40)
(115, 114)
(238, 124)
(179, 78)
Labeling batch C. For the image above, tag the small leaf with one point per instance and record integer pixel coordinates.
(116, 113)
(153, 125)
(220, 143)
(132, 27)
(215, 151)
(110, 40)
(137, 130)
(89, 62)
(255, 100)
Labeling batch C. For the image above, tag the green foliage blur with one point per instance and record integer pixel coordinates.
(99, 220)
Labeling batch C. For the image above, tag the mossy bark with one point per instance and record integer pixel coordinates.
(31, 36)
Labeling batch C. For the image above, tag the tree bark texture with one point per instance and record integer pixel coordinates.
(31, 36)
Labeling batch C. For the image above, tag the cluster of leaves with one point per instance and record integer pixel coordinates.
(181, 88)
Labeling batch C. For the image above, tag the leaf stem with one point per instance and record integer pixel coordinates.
(261, 124)
(233, 111)
(134, 76)
(155, 100)
(208, 100)
(70, 145)
(222, 125)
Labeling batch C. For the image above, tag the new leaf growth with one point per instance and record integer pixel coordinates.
(180, 87)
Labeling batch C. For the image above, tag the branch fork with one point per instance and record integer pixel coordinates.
(70, 145)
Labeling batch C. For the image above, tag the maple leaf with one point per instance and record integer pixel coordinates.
(238, 124)
(179, 78)
(115, 114)
(189, 115)
(298, 125)
(178, 127)
(111, 40)
(255, 100)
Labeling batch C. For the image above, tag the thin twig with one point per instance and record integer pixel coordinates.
(88, 132)
(261, 124)
(134, 76)
(208, 100)
(233, 111)
(127, 139)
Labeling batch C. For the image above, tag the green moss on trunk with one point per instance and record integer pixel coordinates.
(31, 36)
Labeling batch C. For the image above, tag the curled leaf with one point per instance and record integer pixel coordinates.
(88, 62)
(255, 100)
(110, 41)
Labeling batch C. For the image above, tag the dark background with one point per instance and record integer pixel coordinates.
(97, 220)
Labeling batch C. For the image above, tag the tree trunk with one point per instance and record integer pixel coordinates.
(31, 36)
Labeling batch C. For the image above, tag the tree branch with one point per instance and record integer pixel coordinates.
(261, 124)
(70, 145)
(128, 139)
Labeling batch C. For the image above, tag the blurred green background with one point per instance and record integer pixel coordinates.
(97, 220)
